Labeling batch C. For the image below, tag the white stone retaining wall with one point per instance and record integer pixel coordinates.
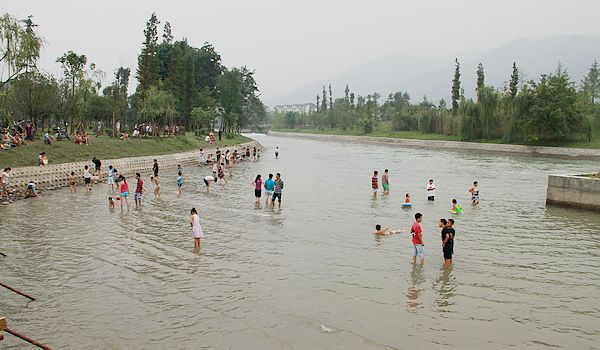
(551, 152)
(56, 176)
(574, 191)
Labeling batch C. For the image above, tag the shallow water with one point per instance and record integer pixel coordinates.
(311, 275)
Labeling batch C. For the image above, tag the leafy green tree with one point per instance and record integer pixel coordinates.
(456, 88)
(317, 103)
(324, 100)
(73, 66)
(20, 47)
(167, 33)
(158, 106)
(35, 96)
(148, 63)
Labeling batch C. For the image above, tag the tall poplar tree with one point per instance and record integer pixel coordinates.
(591, 83)
(148, 63)
(513, 87)
(324, 101)
(330, 98)
(480, 77)
(456, 88)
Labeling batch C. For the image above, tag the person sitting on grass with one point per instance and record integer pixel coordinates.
(78, 138)
(124, 136)
(86, 138)
(42, 159)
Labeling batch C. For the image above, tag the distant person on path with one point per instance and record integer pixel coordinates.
(258, 183)
(4, 182)
(277, 189)
(155, 168)
(431, 191)
(474, 190)
(196, 228)
(269, 187)
(179, 182)
(385, 181)
(417, 240)
(375, 182)
(277, 152)
(110, 179)
(208, 180)
(139, 188)
(87, 178)
(156, 182)
(124, 192)
(448, 241)
(73, 182)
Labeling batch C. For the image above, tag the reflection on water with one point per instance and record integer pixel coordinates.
(524, 276)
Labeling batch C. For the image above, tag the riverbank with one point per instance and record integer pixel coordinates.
(537, 151)
(55, 176)
(104, 147)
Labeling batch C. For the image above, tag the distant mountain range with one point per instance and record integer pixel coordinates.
(432, 76)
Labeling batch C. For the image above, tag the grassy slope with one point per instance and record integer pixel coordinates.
(383, 129)
(104, 147)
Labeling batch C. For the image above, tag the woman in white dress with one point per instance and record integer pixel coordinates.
(196, 229)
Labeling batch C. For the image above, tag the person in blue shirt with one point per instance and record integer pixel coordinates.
(269, 187)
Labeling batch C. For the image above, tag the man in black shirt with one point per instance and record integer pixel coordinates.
(447, 240)
(155, 168)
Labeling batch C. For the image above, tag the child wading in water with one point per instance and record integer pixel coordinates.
(124, 192)
(385, 182)
(417, 239)
(73, 182)
(375, 183)
(456, 209)
(384, 231)
(87, 178)
(196, 229)
(156, 182)
(474, 193)
(111, 203)
(179, 182)
(257, 188)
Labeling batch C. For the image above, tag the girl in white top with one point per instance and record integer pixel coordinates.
(196, 229)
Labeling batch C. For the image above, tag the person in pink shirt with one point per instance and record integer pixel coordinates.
(139, 188)
(417, 239)
(257, 188)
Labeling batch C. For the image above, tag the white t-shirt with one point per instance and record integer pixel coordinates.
(431, 190)
(5, 176)
(196, 228)
(86, 174)
(209, 178)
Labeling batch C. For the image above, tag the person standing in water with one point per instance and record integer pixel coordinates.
(447, 241)
(278, 186)
(269, 187)
(156, 182)
(179, 182)
(385, 182)
(139, 188)
(258, 183)
(417, 240)
(431, 191)
(207, 181)
(73, 182)
(375, 182)
(277, 152)
(124, 192)
(474, 190)
(110, 179)
(196, 228)
(87, 178)
(155, 168)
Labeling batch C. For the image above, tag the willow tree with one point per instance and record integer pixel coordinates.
(468, 120)
(487, 107)
(19, 47)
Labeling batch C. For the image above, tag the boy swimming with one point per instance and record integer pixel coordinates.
(456, 209)
(385, 231)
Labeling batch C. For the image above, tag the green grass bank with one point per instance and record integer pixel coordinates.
(104, 147)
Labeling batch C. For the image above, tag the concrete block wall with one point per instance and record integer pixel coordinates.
(55, 176)
(574, 191)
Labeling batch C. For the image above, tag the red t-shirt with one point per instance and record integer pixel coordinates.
(140, 186)
(374, 182)
(124, 187)
(414, 231)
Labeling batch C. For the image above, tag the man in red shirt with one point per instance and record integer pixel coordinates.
(139, 188)
(375, 183)
(417, 239)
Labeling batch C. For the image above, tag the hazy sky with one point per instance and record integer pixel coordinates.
(292, 43)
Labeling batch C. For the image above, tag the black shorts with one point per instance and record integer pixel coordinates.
(87, 180)
(257, 193)
(448, 251)
(276, 196)
(206, 182)
(431, 198)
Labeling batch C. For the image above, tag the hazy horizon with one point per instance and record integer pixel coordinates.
(291, 45)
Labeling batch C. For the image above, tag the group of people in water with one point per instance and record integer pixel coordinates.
(447, 225)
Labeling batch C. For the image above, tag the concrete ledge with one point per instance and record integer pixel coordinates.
(574, 191)
(537, 151)
(56, 176)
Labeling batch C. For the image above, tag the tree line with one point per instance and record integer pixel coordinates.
(178, 84)
(553, 108)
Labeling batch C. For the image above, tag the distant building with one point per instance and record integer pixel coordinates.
(304, 108)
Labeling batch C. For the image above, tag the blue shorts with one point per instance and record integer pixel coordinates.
(277, 196)
(418, 250)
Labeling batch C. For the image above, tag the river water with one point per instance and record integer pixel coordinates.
(310, 275)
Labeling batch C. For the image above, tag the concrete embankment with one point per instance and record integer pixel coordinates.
(56, 176)
(574, 191)
(537, 151)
